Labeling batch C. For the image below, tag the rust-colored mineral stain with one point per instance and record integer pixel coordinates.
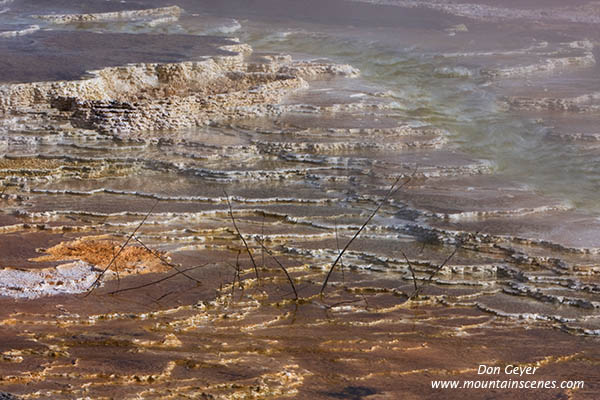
(166, 125)
(100, 252)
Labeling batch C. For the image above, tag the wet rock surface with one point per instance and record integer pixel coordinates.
(34, 57)
(129, 164)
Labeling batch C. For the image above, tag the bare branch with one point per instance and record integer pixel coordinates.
(262, 238)
(412, 271)
(157, 281)
(241, 237)
(337, 245)
(428, 281)
(163, 260)
(99, 278)
(236, 275)
(165, 295)
(393, 189)
(289, 278)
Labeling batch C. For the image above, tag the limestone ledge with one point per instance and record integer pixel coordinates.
(157, 97)
(578, 54)
(583, 104)
(172, 11)
(19, 32)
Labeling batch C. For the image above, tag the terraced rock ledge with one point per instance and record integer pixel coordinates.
(137, 171)
(169, 96)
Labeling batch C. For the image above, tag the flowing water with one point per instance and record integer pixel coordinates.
(487, 114)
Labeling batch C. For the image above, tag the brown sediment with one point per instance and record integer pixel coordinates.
(28, 163)
(17, 248)
(49, 169)
(72, 266)
(255, 343)
(305, 170)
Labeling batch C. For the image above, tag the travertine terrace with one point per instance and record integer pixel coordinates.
(152, 97)
(139, 141)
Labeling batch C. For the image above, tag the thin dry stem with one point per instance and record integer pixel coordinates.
(158, 280)
(289, 278)
(164, 261)
(393, 189)
(99, 278)
(242, 237)
(412, 271)
(428, 281)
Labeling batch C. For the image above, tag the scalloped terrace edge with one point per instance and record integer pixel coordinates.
(144, 98)
(150, 97)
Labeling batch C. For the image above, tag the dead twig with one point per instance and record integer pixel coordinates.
(422, 248)
(241, 237)
(337, 245)
(236, 275)
(158, 280)
(367, 306)
(237, 269)
(262, 237)
(289, 278)
(393, 189)
(164, 261)
(99, 278)
(428, 281)
(165, 295)
(412, 271)
(116, 269)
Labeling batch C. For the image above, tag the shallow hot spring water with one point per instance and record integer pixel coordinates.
(490, 122)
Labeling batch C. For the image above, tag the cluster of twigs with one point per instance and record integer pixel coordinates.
(393, 189)
(289, 278)
(157, 255)
(419, 289)
(96, 283)
(398, 184)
